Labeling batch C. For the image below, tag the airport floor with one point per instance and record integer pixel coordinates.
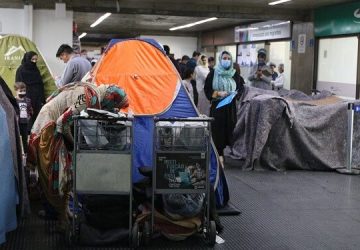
(280, 210)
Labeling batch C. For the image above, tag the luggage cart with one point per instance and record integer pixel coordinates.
(182, 149)
(102, 165)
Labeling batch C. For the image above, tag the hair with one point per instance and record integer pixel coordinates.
(272, 64)
(19, 85)
(237, 67)
(167, 49)
(185, 57)
(188, 72)
(211, 59)
(64, 48)
(226, 52)
(196, 53)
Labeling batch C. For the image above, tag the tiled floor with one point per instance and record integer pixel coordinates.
(280, 210)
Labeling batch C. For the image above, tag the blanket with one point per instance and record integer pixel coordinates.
(290, 130)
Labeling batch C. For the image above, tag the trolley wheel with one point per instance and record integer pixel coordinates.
(146, 235)
(211, 233)
(135, 236)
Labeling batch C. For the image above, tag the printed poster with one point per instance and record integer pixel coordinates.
(180, 170)
(302, 43)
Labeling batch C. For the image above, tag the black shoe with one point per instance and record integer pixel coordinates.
(219, 226)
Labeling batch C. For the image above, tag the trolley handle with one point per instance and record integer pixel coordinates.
(102, 118)
(192, 119)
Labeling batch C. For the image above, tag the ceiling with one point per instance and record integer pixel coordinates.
(131, 18)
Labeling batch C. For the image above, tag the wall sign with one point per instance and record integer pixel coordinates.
(270, 30)
(337, 20)
(301, 43)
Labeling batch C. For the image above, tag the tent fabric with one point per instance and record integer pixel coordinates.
(154, 88)
(8, 192)
(294, 131)
(12, 50)
(148, 40)
(143, 72)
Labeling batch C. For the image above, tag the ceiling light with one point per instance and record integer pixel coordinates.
(278, 2)
(82, 35)
(100, 19)
(193, 24)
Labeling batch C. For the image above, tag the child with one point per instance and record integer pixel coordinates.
(188, 76)
(25, 112)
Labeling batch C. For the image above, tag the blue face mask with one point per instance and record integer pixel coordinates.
(225, 63)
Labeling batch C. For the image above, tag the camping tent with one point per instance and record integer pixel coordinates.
(12, 50)
(154, 88)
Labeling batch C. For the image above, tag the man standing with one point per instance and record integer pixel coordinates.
(278, 83)
(182, 65)
(260, 75)
(193, 61)
(274, 74)
(76, 66)
(172, 59)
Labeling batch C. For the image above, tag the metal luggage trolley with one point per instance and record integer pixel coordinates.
(102, 164)
(182, 149)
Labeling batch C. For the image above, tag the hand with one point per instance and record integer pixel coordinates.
(258, 74)
(222, 93)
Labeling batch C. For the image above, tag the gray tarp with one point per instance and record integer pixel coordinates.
(294, 131)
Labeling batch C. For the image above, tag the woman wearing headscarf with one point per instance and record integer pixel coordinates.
(51, 140)
(220, 83)
(29, 73)
(201, 72)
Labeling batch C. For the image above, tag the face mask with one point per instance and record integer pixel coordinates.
(22, 94)
(225, 63)
(261, 64)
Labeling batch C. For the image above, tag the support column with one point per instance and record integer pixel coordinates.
(28, 21)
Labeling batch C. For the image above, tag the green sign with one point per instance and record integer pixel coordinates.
(337, 20)
(12, 50)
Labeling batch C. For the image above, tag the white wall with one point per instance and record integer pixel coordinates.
(179, 45)
(49, 33)
(12, 21)
(337, 65)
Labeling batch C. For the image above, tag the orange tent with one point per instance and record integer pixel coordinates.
(143, 71)
(154, 88)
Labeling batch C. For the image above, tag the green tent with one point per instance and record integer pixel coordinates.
(12, 50)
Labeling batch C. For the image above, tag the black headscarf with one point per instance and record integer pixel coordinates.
(29, 74)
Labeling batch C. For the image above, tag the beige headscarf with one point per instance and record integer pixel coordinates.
(202, 61)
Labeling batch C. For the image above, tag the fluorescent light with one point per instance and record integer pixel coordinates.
(82, 35)
(100, 19)
(193, 24)
(278, 2)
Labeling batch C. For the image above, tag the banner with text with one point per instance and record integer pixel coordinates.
(269, 30)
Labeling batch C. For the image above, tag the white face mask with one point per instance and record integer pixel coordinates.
(21, 93)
